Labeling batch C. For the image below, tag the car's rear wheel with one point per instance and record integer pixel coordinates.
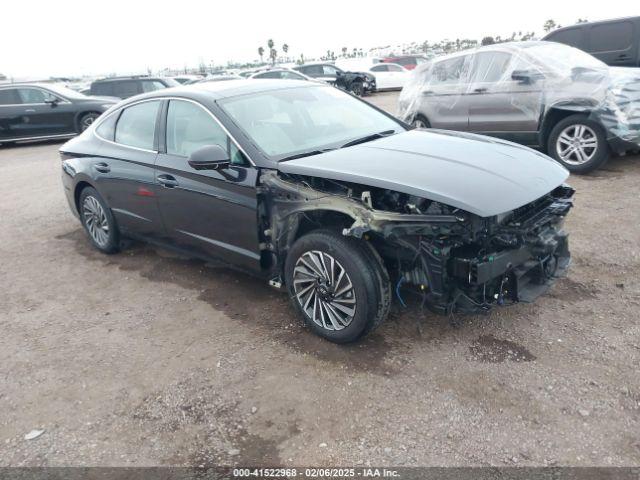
(87, 120)
(337, 285)
(578, 143)
(98, 221)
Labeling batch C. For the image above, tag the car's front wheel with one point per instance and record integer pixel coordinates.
(357, 88)
(337, 285)
(98, 220)
(578, 143)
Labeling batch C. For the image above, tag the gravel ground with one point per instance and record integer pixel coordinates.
(147, 358)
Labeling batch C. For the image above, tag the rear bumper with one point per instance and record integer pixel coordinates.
(68, 185)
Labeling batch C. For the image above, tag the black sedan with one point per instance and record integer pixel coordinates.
(323, 195)
(44, 111)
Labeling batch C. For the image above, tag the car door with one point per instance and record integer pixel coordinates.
(46, 113)
(500, 105)
(383, 76)
(441, 96)
(11, 113)
(213, 212)
(124, 171)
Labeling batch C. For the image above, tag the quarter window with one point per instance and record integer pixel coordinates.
(380, 68)
(137, 125)
(395, 68)
(190, 127)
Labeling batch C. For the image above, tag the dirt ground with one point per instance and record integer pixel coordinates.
(146, 358)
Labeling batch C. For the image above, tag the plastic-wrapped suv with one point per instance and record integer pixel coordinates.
(539, 94)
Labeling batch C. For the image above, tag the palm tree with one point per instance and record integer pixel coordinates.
(344, 51)
(270, 44)
(285, 47)
(550, 25)
(273, 54)
(261, 53)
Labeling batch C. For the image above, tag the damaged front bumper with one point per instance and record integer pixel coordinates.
(458, 262)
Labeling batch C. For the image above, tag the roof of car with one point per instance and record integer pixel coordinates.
(128, 77)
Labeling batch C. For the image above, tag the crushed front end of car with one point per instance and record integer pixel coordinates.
(457, 261)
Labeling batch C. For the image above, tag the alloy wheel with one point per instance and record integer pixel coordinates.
(87, 122)
(577, 144)
(96, 221)
(418, 123)
(324, 290)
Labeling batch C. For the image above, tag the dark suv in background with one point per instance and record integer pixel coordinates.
(615, 42)
(125, 87)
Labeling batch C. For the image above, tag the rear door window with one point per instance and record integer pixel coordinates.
(137, 125)
(451, 71)
(102, 88)
(9, 96)
(570, 36)
(380, 68)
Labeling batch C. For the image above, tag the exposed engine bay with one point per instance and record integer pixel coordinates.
(458, 262)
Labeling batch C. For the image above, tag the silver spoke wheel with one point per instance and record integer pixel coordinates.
(87, 122)
(419, 123)
(95, 220)
(324, 290)
(577, 144)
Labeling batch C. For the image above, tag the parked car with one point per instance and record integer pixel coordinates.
(325, 196)
(540, 94)
(389, 76)
(280, 74)
(125, 87)
(358, 83)
(407, 61)
(35, 111)
(186, 79)
(218, 78)
(615, 42)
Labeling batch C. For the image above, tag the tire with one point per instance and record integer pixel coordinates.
(419, 121)
(98, 221)
(370, 292)
(572, 135)
(87, 120)
(357, 88)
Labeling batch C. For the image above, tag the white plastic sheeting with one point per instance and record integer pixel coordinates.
(511, 87)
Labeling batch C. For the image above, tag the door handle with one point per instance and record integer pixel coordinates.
(102, 167)
(427, 92)
(480, 90)
(30, 110)
(167, 181)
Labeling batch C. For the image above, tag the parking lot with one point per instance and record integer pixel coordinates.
(148, 358)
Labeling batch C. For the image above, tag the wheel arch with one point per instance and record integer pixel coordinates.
(559, 111)
(77, 191)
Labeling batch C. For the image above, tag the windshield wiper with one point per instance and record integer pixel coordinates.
(305, 154)
(368, 138)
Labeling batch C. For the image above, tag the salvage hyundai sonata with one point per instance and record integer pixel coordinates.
(325, 196)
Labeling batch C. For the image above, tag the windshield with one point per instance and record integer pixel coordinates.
(296, 120)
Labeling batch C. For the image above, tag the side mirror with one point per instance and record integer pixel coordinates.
(53, 102)
(526, 76)
(209, 157)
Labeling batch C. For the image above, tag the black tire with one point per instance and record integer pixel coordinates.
(420, 121)
(86, 120)
(598, 155)
(363, 268)
(357, 88)
(109, 241)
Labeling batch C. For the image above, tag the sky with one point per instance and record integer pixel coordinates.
(73, 37)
